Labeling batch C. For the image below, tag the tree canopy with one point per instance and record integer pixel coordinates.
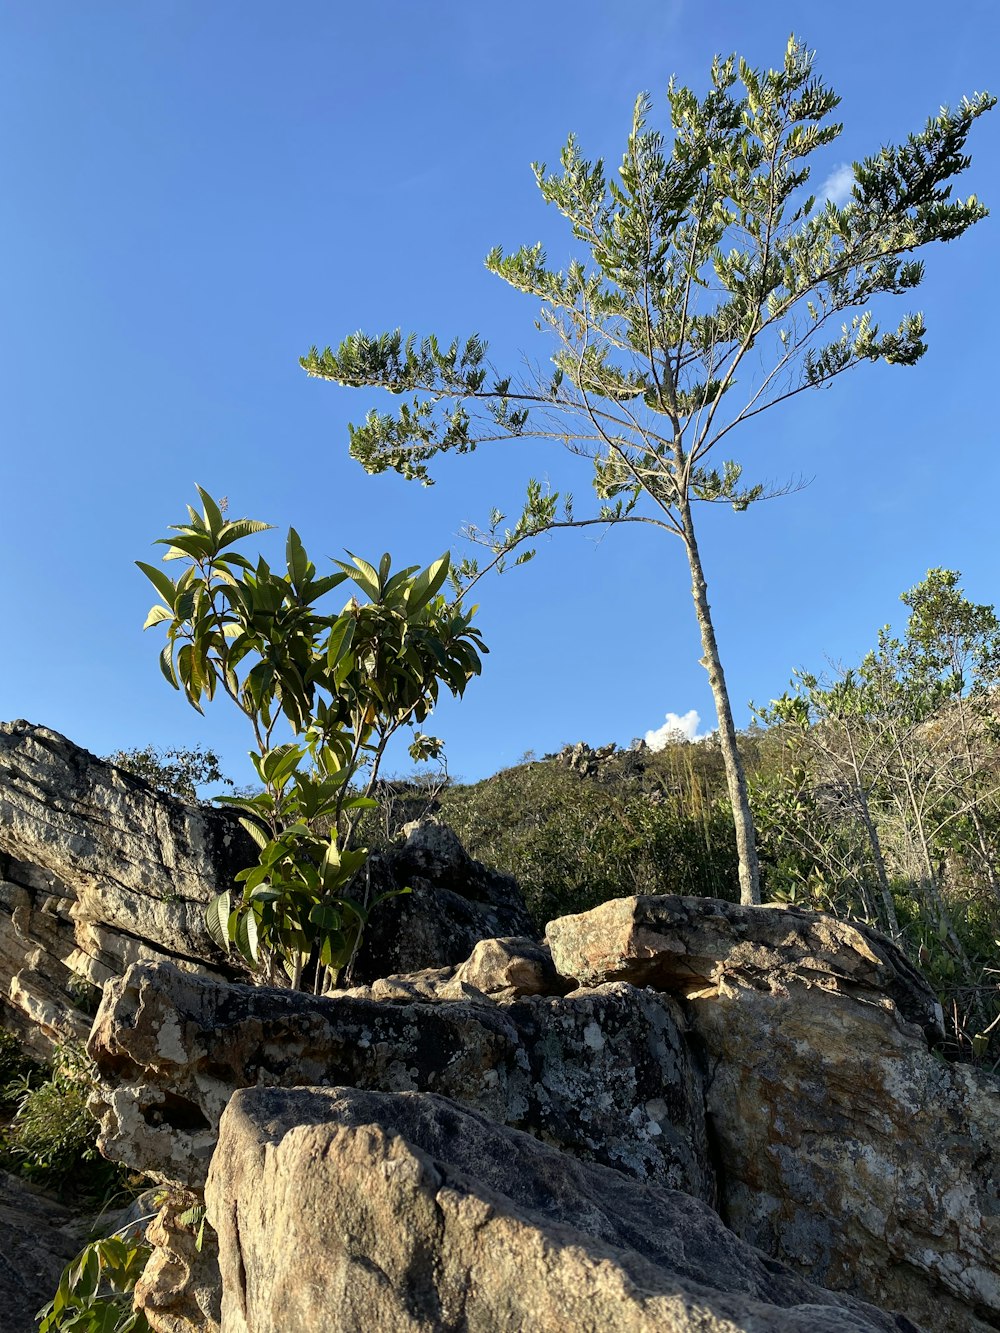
(708, 285)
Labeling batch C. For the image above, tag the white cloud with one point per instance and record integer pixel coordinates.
(838, 184)
(685, 725)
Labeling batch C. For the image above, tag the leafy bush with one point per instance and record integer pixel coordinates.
(344, 682)
(17, 1071)
(176, 771)
(573, 840)
(52, 1138)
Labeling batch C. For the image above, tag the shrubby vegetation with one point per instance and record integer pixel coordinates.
(637, 823)
(174, 770)
(95, 1290)
(343, 682)
(876, 793)
(49, 1135)
(883, 798)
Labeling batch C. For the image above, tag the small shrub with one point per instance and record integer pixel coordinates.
(17, 1071)
(175, 771)
(52, 1138)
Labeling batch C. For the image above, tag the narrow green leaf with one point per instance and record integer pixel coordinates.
(160, 580)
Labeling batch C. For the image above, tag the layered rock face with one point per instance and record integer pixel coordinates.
(97, 871)
(605, 1073)
(442, 1219)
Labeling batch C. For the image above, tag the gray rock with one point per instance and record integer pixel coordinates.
(97, 870)
(605, 1074)
(453, 903)
(37, 1240)
(342, 1212)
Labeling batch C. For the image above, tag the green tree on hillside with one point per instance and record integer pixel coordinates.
(707, 294)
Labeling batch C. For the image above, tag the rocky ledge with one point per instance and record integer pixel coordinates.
(673, 1113)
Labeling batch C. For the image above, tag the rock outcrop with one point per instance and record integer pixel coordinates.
(97, 871)
(844, 1145)
(605, 1074)
(453, 902)
(179, 1290)
(346, 1210)
(486, 1131)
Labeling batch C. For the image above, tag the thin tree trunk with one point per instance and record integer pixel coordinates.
(746, 839)
(875, 844)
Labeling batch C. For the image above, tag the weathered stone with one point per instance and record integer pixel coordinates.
(97, 870)
(604, 1074)
(39, 1237)
(686, 945)
(499, 969)
(511, 968)
(453, 903)
(848, 1149)
(844, 1145)
(342, 1211)
(179, 1290)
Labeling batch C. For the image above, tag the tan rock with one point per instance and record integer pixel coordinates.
(845, 1145)
(685, 945)
(502, 969)
(179, 1290)
(347, 1212)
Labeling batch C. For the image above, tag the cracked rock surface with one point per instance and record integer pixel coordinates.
(442, 1220)
(605, 1074)
(844, 1145)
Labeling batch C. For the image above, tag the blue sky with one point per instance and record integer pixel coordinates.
(196, 193)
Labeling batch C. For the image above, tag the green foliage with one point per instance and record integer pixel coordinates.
(345, 682)
(175, 770)
(706, 287)
(18, 1072)
(656, 823)
(95, 1291)
(52, 1138)
(886, 802)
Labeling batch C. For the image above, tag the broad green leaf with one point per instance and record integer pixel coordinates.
(239, 528)
(213, 514)
(339, 641)
(216, 917)
(167, 665)
(255, 831)
(325, 916)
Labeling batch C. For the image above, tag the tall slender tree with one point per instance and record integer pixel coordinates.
(706, 295)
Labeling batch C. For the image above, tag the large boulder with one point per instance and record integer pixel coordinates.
(97, 870)
(845, 1145)
(605, 1074)
(340, 1211)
